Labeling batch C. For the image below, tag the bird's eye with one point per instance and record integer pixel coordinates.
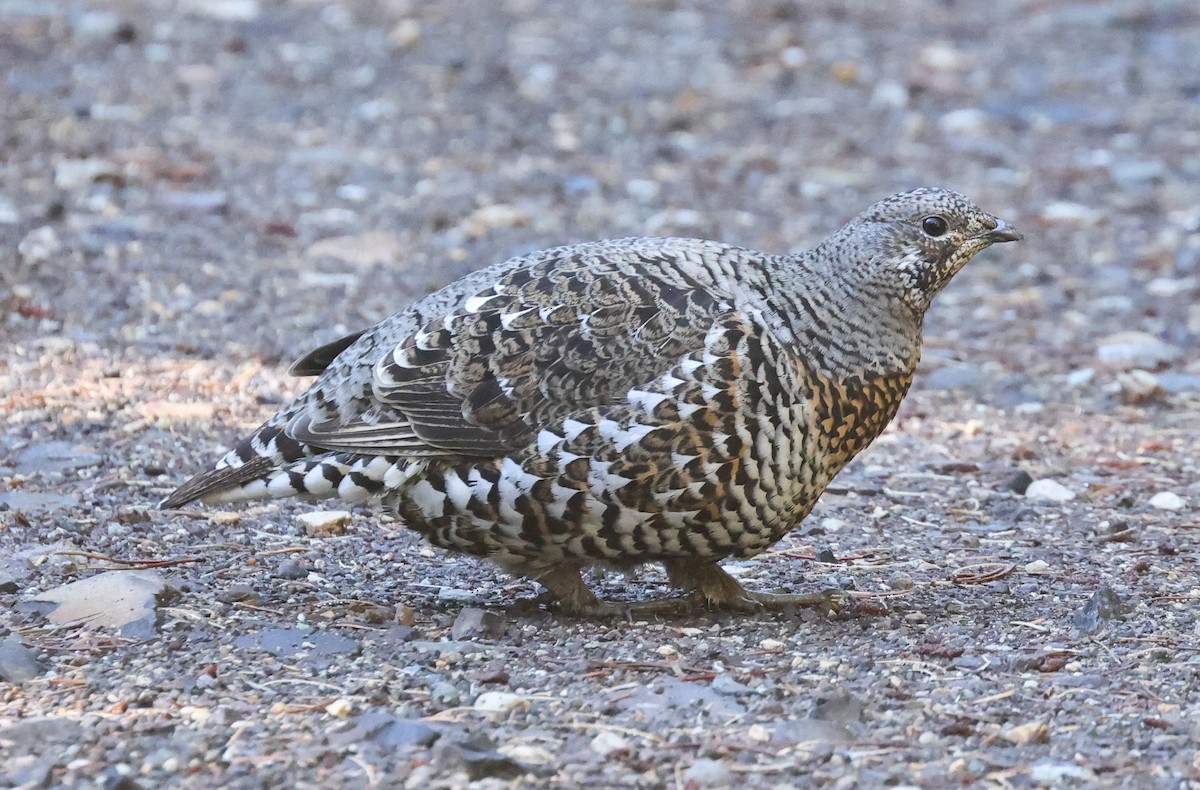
(934, 226)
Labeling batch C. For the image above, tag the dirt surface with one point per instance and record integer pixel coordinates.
(192, 194)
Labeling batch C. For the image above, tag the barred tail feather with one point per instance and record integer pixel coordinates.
(345, 476)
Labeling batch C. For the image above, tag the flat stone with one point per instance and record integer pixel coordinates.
(726, 684)
(384, 729)
(474, 623)
(359, 250)
(481, 763)
(55, 457)
(1135, 350)
(36, 501)
(300, 641)
(122, 600)
(33, 734)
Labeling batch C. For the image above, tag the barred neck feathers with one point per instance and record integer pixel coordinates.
(846, 322)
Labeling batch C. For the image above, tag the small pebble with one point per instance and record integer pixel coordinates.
(1165, 500)
(708, 773)
(607, 742)
(340, 707)
(445, 694)
(291, 569)
(900, 581)
(1049, 490)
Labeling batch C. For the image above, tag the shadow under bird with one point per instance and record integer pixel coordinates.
(621, 402)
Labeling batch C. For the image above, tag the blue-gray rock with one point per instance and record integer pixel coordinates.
(473, 623)
(1104, 605)
(384, 729)
(17, 662)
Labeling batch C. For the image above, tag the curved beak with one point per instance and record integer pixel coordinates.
(1002, 232)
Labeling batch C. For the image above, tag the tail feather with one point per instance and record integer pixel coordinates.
(345, 476)
(212, 482)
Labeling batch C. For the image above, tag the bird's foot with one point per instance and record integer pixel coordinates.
(832, 600)
(712, 589)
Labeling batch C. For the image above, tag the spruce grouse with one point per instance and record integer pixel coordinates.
(621, 402)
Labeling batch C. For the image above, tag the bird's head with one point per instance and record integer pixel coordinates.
(916, 241)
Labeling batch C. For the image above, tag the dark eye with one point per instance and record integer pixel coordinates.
(934, 226)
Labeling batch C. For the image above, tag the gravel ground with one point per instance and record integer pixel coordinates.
(194, 193)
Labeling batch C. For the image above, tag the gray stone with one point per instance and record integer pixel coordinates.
(27, 770)
(125, 601)
(478, 758)
(1104, 605)
(1019, 482)
(55, 458)
(17, 662)
(445, 694)
(808, 730)
(32, 735)
(843, 709)
(384, 729)
(291, 569)
(725, 683)
(318, 647)
(473, 623)
(36, 501)
(953, 377)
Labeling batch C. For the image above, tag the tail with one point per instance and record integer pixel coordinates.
(270, 464)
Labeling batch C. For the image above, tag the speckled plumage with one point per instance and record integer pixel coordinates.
(621, 402)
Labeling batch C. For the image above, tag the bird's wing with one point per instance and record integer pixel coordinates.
(559, 335)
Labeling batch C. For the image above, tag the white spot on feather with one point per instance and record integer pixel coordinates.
(507, 319)
(429, 500)
(670, 382)
(254, 489)
(476, 303)
(458, 491)
(349, 491)
(572, 429)
(546, 440)
(316, 483)
(647, 400)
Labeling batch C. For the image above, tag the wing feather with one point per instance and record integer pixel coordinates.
(555, 336)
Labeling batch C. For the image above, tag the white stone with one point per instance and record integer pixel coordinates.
(499, 701)
(340, 707)
(1037, 566)
(1081, 377)
(608, 742)
(324, 522)
(1050, 490)
(1165, 500)
(968, 121)
(1066, 212)
(1135, 350)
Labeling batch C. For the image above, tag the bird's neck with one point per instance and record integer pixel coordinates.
(847, 322)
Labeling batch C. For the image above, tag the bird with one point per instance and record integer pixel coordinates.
(622, 402)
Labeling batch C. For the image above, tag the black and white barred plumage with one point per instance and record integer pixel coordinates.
(621, 402)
